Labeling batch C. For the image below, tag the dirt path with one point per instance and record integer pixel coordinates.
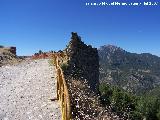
(26, 90)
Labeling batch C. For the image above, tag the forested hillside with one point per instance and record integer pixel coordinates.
(136, 73)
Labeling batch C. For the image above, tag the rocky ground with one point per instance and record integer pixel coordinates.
(27, 90)
(85, 104)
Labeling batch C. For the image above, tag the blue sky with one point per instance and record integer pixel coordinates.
(31, 25)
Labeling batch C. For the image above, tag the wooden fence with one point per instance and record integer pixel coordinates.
(62, 90)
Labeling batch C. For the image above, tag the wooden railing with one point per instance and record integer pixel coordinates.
(62, 90)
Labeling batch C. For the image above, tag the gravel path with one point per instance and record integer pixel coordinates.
(26, 90)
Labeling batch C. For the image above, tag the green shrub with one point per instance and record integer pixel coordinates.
(120, 101)
(136, 107)
(135, 115)
(40, 52)
(149, 107)
(106, 94)
(158, 114)
(64, 66)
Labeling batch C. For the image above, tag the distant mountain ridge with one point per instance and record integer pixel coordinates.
(136, 73)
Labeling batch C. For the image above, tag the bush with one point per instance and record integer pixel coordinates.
(64, 66)
(158, 115)
(40, 52)
(136, 107)
(120, 101)
(106, 94)
(149, 107)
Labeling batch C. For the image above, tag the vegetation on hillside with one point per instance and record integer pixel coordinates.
(136, 73)
(130, 106)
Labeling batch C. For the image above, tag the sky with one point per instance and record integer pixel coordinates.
(33, 25)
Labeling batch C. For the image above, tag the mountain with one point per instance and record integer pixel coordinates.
(136, 73)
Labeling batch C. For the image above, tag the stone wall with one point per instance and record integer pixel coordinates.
(11, 49)
(8, 55)
(1, 46)
(83, 62)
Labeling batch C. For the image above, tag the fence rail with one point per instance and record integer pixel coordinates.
(62, 90)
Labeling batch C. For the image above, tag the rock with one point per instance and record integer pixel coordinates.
(83, 61)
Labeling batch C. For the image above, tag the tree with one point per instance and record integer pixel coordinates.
(40, 52)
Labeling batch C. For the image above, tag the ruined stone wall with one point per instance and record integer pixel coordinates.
(1, 46)
(11, 49)
(8, 55)
(83, 62)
